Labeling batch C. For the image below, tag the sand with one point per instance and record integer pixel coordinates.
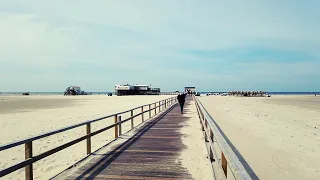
(279, 137)
(25, 116)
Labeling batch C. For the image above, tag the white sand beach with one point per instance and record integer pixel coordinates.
(25, 116)
(279, 137)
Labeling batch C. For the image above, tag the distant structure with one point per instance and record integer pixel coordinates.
(190, 90)
(125, 90)
(74, 90)
(248, 93)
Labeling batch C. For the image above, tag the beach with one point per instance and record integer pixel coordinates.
(278, 136)
(26, 116)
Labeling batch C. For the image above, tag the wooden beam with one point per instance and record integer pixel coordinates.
(132, 123)
(28, 155)
(224, 164)
(142, 118)
(88, 139)
(116, 126)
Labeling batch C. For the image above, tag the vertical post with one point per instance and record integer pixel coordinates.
(120, 128)
(149, 110)
(206, 136)
(116, 126)
(162, 105)
(159, 106)
(224, 163)
(211, 155)
(88, 139)
(155, 109)
(132, 124)
(28, 154)
(202, 127)
(211, 135)
(165, 103)
(142, 114)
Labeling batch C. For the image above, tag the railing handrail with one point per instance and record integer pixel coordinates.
(237, 168)
(23, 141)
(30, 158)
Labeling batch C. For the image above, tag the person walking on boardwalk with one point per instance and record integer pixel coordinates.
(181, 98)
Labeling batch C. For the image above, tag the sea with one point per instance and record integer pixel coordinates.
(277, 93)
(105, 93)
(49, 93)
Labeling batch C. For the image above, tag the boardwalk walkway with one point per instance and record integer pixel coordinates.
(152, 153)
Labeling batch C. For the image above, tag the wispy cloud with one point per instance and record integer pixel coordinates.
(217, 45)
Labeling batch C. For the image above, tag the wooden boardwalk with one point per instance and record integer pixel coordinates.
(152, 153)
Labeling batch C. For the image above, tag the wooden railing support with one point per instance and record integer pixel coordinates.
(88, 139)
(132, 124)
(224, 164)
(142, 118)
(116, 127)
(155, 108)
(28, 155)
(159, 106)
(120, 126)
(149, 110)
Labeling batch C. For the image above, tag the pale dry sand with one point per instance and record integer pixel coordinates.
(194, 156)
(279, 137)
(25, 116)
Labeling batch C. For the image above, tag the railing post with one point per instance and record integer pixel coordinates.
(116, 126)
(206, 136)
(155, 109)
(224, 164)
(28, 154)
(159, 106)
(142, 114)
(88, 139)
(211, 155)
(120, 127)
(149, 110)
(202, 127)
(132, 124)
(165, 104)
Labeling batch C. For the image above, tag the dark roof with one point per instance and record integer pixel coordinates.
(189, 87)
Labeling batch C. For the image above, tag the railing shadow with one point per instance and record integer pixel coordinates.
(103, 163)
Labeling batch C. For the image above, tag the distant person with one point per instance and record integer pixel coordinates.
(181, 98)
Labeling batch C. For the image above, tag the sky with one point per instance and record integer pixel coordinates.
(267, 45)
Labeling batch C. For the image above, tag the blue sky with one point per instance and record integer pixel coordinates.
(214, 45)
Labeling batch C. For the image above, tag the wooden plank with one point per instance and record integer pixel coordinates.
(152, 153)
(28, 155)
(142, 118)
(88, 139)
(224, 164)
(132, 123)
(116, 127)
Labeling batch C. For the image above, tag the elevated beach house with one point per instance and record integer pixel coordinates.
(123, 90)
